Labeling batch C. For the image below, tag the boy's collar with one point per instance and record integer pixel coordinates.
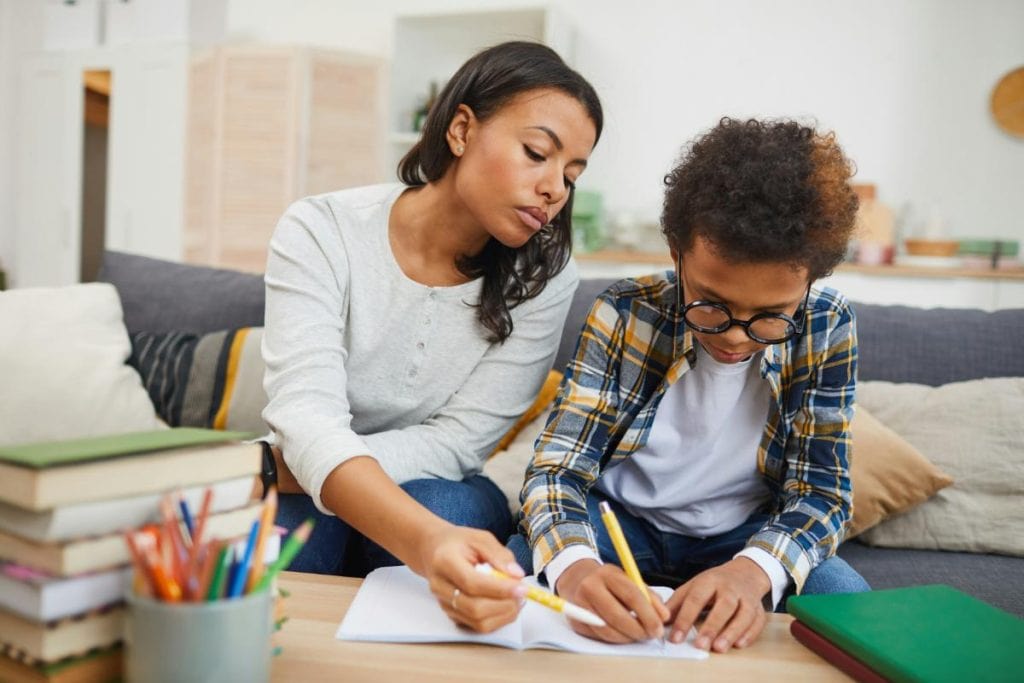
(771, 361)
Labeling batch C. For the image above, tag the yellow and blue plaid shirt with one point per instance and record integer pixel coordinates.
(632, 347)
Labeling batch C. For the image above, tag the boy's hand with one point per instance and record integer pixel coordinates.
(606, 590)
(733, 592)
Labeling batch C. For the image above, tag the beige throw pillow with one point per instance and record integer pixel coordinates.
(889, 475)
(971, 430)
(63, 354)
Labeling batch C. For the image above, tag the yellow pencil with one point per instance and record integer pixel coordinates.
(611, 523)
(549, 599)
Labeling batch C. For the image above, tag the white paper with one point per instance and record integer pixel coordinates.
(394, 605)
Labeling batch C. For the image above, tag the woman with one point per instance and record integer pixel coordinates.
(409, 325)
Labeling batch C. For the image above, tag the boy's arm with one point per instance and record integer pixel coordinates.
(818, 502)
(568, 452)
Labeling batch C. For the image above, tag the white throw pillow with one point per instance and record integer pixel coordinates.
(63, 370)
(972, 431)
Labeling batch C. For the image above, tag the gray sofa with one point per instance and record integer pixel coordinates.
(897, 344)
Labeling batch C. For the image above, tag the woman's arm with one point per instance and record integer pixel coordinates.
(303, 346)
(362, 494)
(306, 381)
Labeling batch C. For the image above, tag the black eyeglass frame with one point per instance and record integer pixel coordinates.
(797, 326)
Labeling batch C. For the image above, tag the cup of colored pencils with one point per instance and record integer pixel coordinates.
(201, 605)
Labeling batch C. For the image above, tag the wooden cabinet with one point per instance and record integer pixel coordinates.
(267, 126)
(205, 150)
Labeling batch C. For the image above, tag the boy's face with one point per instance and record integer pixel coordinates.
(746, 288)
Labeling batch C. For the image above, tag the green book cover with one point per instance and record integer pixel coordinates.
(920, 633)
(55, 453)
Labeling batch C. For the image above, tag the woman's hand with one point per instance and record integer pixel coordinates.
(359, 492)
(470, 598)
(606, 590)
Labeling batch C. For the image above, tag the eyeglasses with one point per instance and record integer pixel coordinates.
(713, 317)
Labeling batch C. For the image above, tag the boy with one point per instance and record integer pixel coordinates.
(711, 406)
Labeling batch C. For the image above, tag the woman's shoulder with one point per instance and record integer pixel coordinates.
(349, 202)
(343, 217)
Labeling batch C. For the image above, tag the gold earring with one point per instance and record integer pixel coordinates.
(460, 149)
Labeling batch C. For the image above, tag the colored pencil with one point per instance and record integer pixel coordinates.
(186, 516)
(242, 572)
(220, 573)
(266, 527)
(198, 544)
(166, 587)
(211, 554)
(291, 548)
(139, 563)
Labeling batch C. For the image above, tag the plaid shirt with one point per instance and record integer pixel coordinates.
(634, 344)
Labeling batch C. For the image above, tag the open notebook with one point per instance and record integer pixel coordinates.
(394, 605)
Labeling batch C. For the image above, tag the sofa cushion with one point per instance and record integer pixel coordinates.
(63, 354)
(972, 431)
(212, 380)
(160, 296)
(992, 578)
(889, 475)
(586, 294)
(936, 346)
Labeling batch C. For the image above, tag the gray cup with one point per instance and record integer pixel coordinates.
(221, 641)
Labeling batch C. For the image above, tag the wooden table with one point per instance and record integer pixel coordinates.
(317, 604)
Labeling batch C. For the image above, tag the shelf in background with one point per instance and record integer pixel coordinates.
(662, 259)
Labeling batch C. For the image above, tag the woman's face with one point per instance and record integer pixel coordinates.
(516, 168)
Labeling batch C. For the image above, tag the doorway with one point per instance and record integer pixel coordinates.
(96, 124)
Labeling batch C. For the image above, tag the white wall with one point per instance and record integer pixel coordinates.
(904, 83)
(7, 81)
(21, 30)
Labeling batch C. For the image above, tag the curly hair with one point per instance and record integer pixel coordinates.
(763, 192)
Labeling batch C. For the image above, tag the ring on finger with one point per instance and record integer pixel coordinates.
(455, 597)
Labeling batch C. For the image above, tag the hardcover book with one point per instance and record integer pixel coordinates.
(101, 517)
(919, 633)
(104, 552)
(44, 475)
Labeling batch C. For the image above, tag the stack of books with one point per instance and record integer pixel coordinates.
(64, 562)
(919, 633)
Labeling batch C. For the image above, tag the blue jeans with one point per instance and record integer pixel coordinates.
(671, 559)
(336, 548)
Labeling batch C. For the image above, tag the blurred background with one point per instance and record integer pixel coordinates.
(182, 129)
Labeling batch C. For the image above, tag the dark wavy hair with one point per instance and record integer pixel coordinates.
(485, 83)
(763, 191)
